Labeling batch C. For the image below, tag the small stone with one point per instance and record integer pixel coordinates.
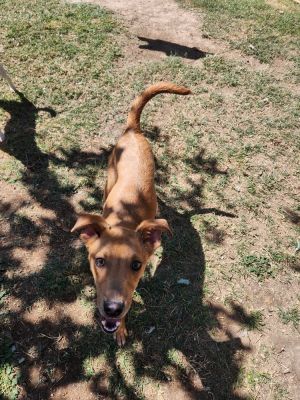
(183, 281)
(150, 330)
(286, 371)
(2, 137)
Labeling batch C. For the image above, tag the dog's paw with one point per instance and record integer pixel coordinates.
(121, 335)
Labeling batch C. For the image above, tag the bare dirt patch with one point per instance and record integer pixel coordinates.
(167, 26)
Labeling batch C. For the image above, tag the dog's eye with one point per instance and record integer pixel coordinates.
(136, 265)
(100, 262)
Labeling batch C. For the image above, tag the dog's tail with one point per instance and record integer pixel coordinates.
(133, 121)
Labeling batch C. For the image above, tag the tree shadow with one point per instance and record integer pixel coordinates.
(292, 216)
(56, 347)
(183, 322)
(20, 131)
(213, 234)
(172, 49)
(208, 165)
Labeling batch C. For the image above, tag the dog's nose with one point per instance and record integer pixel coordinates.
(113, 308)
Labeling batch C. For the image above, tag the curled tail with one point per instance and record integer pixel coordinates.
(133, 120)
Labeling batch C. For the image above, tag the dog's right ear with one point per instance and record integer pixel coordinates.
(90, 226)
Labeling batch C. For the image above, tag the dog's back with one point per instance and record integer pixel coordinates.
(130, 193)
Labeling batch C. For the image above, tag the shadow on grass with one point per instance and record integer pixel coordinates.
(20, 131)
(292, 216)
(55, 347)
(172, 49)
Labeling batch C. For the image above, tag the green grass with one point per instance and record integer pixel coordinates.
(88, 368)
(259, 266)
(281, 393)
(254, 381)
(3, 295)
(73, 49)
(253, 26)
(254, 378)
(290, 316)
(255, 320)
(8, 373)
(8, 382)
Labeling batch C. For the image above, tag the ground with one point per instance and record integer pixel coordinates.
(227, 181)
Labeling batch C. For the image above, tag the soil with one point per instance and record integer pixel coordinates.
(171, 29)
(162, 22)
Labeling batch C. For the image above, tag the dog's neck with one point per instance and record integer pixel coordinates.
(122, 218)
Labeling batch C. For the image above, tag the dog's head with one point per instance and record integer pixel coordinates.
(118, 258)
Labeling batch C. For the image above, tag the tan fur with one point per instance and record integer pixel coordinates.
(127, 230)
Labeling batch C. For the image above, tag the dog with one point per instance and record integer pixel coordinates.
(123, 238)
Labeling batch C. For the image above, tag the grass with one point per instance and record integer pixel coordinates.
(267, 266)
(8, 373)
(254, 378)
(255, 27)
(88, 368)
(259, 266)
(3, 295)
(254, 381)
(281, 393)
(255, 320)
(63, 35)
(290, 316)
(226, 164)
(9, 380)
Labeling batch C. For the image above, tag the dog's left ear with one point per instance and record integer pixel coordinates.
(150, 231)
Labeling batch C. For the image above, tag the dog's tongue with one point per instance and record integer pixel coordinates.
(110, 325)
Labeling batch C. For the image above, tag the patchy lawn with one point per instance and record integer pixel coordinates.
(227, 180)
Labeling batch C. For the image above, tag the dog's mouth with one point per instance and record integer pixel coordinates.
(109, 325)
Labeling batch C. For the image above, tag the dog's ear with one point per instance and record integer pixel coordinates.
(90, 226)
(150, 231)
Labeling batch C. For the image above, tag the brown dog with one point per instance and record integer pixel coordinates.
(121, 241)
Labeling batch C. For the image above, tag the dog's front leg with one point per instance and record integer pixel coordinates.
(121, 334)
